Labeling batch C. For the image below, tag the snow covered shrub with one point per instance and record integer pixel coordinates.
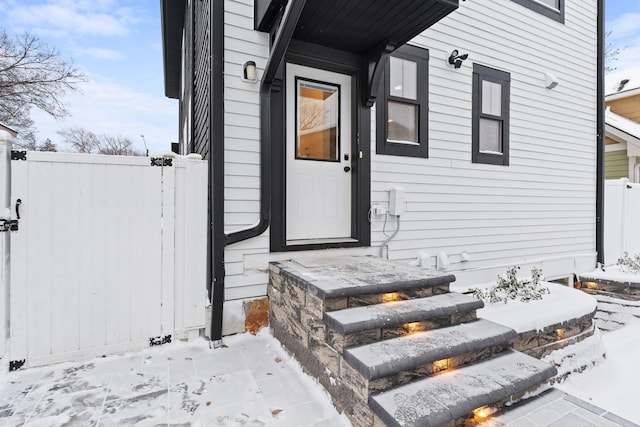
(629, 264)
(509, 287)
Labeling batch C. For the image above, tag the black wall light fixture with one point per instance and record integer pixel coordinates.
(456, 59)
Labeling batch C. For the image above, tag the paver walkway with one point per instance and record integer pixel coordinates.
(250, 382)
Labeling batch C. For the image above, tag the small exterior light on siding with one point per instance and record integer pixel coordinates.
(455, 59)
(550, 80)
(249, 72)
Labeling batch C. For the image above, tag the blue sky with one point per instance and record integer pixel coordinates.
(118, 45)
(623, 20)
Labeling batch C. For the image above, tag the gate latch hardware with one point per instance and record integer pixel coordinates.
(8, 225)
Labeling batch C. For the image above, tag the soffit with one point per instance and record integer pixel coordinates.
(361, 26)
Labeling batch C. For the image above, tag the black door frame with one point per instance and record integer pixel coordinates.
(320, 57)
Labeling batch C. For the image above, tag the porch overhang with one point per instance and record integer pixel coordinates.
(363, 27)
(173, 14)
(372, 29)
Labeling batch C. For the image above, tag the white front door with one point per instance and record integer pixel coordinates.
(318, 155)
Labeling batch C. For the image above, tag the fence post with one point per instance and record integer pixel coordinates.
(5, 213)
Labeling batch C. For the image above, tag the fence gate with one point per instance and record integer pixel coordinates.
(621, 225)
(109, 255)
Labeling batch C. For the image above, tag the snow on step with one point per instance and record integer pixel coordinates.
(407, 352)
(350, 276)
(436, 400)
(358, 319)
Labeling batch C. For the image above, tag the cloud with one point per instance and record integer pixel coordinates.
(624, 26)
(116, 110)
(101, 53)
(98, 18)
(628, 57)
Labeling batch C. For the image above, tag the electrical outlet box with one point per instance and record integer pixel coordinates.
(396, 201)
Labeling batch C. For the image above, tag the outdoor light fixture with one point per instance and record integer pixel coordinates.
(440, 365)
(413, 327)
(249, 72)
(590, 285)
(482, 413)
(390, 297)
(550, 80)
(145, 145)
(456, 59)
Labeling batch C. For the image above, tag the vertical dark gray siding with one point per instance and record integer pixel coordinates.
(186, 97)
(201, 68)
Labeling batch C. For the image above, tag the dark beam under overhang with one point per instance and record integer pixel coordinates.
(173, 14)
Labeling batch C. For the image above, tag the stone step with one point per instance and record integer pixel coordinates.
(396, 313)
(343, 282)
(408, 352)
(439, 399)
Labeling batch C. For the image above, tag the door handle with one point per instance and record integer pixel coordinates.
(18, 203)
(347, 168)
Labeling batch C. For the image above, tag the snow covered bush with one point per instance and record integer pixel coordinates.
(629, 264)
(509, 287)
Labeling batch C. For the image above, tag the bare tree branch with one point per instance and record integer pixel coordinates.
(80, 140)
(611, 54)
(32, 75)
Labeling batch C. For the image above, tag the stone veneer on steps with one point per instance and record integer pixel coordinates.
(391, 345)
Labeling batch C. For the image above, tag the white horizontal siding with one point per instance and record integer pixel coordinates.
(541, 208)
(241, 116)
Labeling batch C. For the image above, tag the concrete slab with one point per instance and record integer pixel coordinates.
(191, 385)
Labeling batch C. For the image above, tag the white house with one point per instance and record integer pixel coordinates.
(460, 136)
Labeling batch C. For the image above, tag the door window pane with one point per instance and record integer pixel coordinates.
(490, 136)
(317, 128)
(491, 98)
(402, 123)
(403, 78)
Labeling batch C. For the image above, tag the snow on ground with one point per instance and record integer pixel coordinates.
(615, 383)
(576, 357)
(250, 381)
(562, 304)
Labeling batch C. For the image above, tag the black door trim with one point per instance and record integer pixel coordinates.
(315, 56)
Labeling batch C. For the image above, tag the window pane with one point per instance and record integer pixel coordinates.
(403, 78)
(491, 98)
(318, 110)
(402, 123)
(555, 4)
(490, 136)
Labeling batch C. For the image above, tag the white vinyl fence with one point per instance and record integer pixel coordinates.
(110, 254)
(621, 219)
(5, 217)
